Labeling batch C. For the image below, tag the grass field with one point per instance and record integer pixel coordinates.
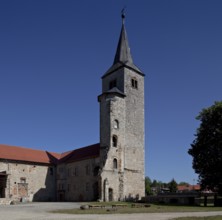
(128, 209)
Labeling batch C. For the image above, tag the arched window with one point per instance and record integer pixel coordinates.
(116, 124)
(114, 163)
(114, 140)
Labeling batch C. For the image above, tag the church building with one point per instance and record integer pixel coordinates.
(112, 170)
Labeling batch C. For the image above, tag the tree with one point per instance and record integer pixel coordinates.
(154, 183)
(156, 186)
(206, 149)
(148, 183)
(172, 185)
(183, 183)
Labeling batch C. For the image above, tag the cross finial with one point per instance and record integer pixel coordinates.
(123, 14)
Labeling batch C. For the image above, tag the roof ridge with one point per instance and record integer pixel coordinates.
(19, 153)
(7, 145)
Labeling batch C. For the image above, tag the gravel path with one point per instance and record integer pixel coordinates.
(39, 211)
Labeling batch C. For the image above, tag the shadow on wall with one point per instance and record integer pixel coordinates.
(49, 192)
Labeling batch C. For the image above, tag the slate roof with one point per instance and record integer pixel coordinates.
(123, 57)
(116, 90)
(123, 51)
(39, 156)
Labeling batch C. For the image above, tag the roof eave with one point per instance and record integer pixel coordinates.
(120, 65)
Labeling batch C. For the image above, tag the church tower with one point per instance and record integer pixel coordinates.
(122, 127)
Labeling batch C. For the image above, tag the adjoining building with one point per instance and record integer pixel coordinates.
(27, 173)
(112, 170)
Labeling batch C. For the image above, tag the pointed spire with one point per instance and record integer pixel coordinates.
(123, 57)
(123, 54)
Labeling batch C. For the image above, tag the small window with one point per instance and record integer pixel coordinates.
(114, 140)
(134, 83)
(76, 171)
(116, 124)
(23, 180)
(87, 187)
(60, 169)
(112, 84)
(96, 171)
(61, 186)
(114, 163)
(51, 171)
(68, 187)
(87, 170)
(68, 172)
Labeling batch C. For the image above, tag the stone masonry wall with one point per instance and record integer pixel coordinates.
(134, 150)
(78, 181)
(127, 180)
(32, 182)
(112, 176)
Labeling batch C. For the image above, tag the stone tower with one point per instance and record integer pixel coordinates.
(122, 127)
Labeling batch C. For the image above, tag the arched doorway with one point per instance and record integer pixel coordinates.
(110, 194)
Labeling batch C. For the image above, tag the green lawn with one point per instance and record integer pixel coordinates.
(128, 209)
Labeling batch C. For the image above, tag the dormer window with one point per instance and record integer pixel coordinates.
(112, 84)
(134, 83)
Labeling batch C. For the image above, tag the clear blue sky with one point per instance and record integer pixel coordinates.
(53, 53)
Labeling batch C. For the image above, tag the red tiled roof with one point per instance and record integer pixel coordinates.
(64, 154)
(39, 156)
(26, 154)
(188, 187)
(81, 154)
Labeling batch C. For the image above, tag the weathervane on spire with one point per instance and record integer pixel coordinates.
(123, 14)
